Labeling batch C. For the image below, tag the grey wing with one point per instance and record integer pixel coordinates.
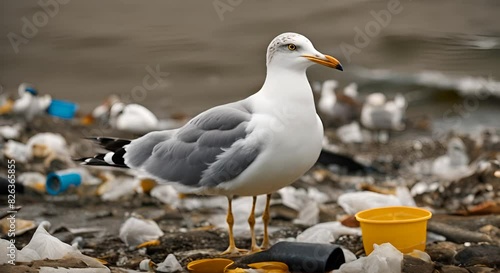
(205, 152)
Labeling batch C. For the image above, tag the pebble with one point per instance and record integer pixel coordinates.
(488, 255)
(415, 265)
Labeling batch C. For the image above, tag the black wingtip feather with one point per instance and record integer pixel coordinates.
(109, 143)
(90, 161)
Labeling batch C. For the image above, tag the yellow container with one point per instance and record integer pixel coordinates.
(404, 227)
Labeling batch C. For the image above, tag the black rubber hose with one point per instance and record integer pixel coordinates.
(301, 257)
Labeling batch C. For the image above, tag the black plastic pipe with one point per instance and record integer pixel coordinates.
(301, 257)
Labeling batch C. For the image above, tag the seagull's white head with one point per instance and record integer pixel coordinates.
(294, 51)
(330, 85)
(376, 99)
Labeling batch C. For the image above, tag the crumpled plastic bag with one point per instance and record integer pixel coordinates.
(54, 142)
(45, 246)
(385, 258)
(136, 231)
(169, 265)
(33, 180)
(16, 150)
(354, 202)
(326, 232)
(119, 187)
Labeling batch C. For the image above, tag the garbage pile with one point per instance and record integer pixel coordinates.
(101, 220)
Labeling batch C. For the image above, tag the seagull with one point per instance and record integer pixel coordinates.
(250, 147)
(382, 116)
(339, 108)
(455, 163)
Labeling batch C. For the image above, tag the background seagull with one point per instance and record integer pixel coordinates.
(383, 116)
(339, 108)
(455, 163)
(250, 147)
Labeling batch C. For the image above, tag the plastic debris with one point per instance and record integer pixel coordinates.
(209, 265)
(52, 141)
(16, 150)
(421, 255)
(405, 197)
(297, 199)
(348, 255)
(118, 187)
(30, 103)
(132, 118)
(167, 194)
(45, 246)
(147, 265)
(62, 109)
(385, 258)
(33, 180)
(58, 182)
(136, 231)
(169, 265)
(308, 215)
(355, 202)
(10, 131)
(350, 133)
(21, 226)
(300, 257)
(326, 232)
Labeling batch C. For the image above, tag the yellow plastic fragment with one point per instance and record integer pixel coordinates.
(104, 262)
(87, 120)
(149, 243)
(147, 185)
(221, 265)
(217, 265)
(270, 266)
(39, 186)
(7, 107)
(236, 270)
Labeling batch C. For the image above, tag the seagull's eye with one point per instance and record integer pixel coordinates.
(292, 47)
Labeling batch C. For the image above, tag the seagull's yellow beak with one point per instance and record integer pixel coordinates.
(327, 61)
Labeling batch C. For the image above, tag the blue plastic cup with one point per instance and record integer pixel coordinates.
(58, 182)
(62, 109)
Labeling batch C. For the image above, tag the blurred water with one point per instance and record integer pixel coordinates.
(90, 49)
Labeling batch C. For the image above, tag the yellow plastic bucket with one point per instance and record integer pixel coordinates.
(404, 227)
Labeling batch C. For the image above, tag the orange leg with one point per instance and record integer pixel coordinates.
(266, 218)
(232, 249)
(251, 223)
